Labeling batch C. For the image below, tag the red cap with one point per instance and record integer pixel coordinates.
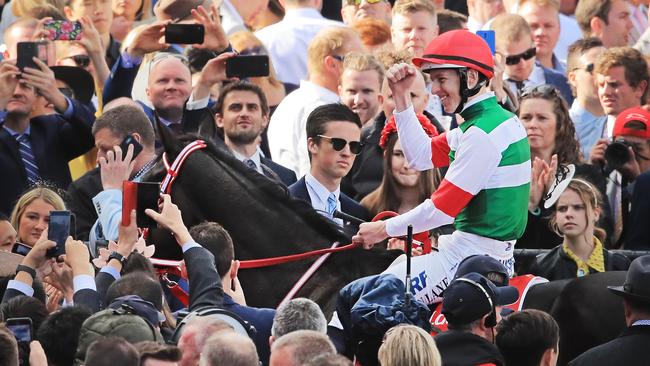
(633, 122)
(456, 49)
(390, 128)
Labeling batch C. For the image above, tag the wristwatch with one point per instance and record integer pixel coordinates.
(115, 255)
(29, 270)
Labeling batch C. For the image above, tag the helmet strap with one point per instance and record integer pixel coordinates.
(465, 91)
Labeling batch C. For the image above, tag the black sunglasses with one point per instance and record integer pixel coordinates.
(339, 144)
(588, 68)
(68, 92)
(527, 55)
(81, 60)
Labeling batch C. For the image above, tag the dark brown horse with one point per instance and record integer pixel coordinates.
(263, 222)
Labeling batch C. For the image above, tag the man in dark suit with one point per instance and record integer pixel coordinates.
(333, 134)
(214, 238)
(631, 346)
(243, 112)
(169, 86)
(35, 148)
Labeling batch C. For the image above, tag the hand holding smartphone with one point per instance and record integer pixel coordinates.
(129, 140)
(63, 30)
(27, 51)
(60, 227)
(184, 33)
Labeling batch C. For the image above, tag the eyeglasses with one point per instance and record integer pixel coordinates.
(358, 2)
(82, 61)
(527, 55)
(540, 91)
(338, 144)
(588, 68)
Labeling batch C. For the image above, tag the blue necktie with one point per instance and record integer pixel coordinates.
(251, 164)
(27, 155)
(331, 204)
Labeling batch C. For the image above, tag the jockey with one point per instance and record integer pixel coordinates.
(485, 190)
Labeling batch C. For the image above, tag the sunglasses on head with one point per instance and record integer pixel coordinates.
(526, 55)
(338, 144)
(358, 2)
(588, 68)
(82, 61)
(540, 91)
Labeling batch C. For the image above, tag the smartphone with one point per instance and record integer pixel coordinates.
(247, 66)
(129, 140)
(139, 197)
(21, 328)
(63, 30)
(20, 248)
(184, 33)
(28, 50)
(489, 37)
(58, 231)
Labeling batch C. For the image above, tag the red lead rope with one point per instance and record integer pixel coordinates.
(266, 262)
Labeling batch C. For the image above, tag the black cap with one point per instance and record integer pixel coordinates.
(79, 80)
(466, 298)
(486, 266)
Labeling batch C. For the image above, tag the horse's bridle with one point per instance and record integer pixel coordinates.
(174, 169)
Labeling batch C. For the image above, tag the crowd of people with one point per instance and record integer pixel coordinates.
(484, 126)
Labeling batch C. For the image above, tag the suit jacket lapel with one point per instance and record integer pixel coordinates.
(10, 144)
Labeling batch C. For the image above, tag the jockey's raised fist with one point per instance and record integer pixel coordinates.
(400, 80)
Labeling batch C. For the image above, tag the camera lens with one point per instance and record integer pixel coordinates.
(617, 154)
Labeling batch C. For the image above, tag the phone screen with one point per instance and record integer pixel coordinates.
(247, 66)
(129, 140)
(28, 50)
(21, 328)
(489, 38)
(58, 231)
(184, 33)
(140, 196)
(20, 248)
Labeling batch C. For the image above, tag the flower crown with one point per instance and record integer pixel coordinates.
(390, 128)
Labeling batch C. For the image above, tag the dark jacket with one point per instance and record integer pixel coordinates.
(638, 230)
(629, 349)
(466, 349)
(285, 175)
(260, 318)
(54, 141)
(557, 265)
(560, 82)
(368, 168)
(348, 205)
(80, 195)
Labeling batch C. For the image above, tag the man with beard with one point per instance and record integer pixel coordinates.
(243, 113)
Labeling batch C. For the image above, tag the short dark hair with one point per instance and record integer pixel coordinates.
(9, 347)
(588, 9)
(449, 20)
(110, 351)
(124, 120)
(241, 86)
(137, 283)
(60, 350)
(524, 336)
(217, 241)
(324, 114)
(25, 307)
(579, 48)
(156, 351)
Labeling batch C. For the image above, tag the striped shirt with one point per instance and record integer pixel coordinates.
(485, 191)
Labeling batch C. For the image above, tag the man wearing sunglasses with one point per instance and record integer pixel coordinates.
(514, 42)
(333, 141)
(353, 10)
(586, 111)
(486, 187)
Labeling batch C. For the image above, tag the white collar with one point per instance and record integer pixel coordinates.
(309, 86)
(302, 13)
(256, 157)
(321, 191)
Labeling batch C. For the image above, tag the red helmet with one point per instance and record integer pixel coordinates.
(457, 49)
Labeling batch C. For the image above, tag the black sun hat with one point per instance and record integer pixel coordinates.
(79, 80)
(637, 281)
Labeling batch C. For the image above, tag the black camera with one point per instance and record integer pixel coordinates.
(618, 153)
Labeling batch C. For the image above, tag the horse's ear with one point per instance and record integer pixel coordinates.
(169, 142)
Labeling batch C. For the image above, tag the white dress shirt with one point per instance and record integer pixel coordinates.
(535, 78)
(570, 32)
(256, 158)
(287, 129)
(287, 41)
(318, 195)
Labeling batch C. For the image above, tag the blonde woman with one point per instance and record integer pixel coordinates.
(31, 215)
(407, 345)
(581, 252)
